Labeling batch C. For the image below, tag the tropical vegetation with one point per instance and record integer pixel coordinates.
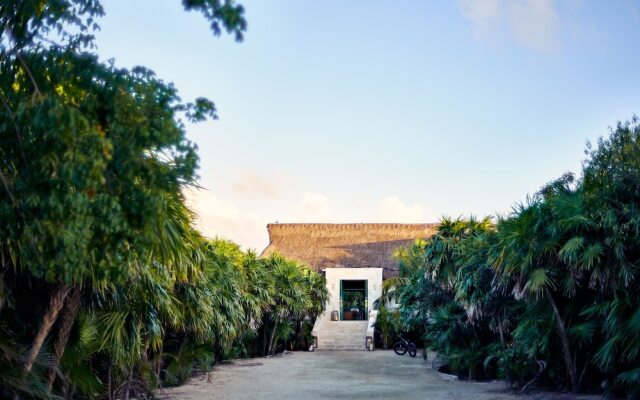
(548, 294)
(106, 288)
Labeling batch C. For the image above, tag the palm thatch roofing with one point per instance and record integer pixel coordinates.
(345, 245)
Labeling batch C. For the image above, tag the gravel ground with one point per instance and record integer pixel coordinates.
(339, 375)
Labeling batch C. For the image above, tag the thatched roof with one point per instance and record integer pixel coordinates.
(344, 245)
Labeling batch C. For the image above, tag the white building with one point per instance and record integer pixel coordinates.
(355, 259)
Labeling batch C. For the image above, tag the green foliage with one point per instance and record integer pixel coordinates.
(304, 337)
(89, 152)
(297, 292)
(12, 379)
(549, 294)
(388, 324)
(353, 300)
(106, 289)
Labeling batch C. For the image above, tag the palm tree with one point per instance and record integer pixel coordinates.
(528, 259)
(609, 186)
(297, 291)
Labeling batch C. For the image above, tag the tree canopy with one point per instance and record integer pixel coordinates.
(107, 289)
(547, 294)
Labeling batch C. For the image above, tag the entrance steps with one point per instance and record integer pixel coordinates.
(342, 335)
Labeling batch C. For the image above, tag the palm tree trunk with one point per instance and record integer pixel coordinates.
(273, 336)
(265, 334)
(564, 340)
(56, 301)
(504, 347)
(425, 350)
(109, 382)
(128, 386)
(501, 330)
(67, 318)
(183, 344)
(159, 365)
(541, 368)
(584, 370)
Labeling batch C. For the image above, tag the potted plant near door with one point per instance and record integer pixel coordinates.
(353, 305)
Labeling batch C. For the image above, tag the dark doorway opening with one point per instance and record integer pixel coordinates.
(353, 300)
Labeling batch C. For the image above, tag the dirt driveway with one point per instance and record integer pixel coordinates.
(338, 375)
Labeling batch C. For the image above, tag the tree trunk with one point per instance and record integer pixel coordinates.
(501, 330)
(109, 382)
(67, 318)
(159, 367)
(127, 388)
(265, 335)
(584, 370)
(564, 340)
(273, 336)
(504, 347)
(182, 376)
(541, 367)
(56, 301)
(183, 344)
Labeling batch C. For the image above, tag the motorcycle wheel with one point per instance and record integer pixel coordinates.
(400, 348)
(412, 349)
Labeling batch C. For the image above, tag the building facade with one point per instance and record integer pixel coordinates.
(355, 259)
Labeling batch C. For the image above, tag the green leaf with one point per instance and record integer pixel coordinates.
(570, 251)
(538, 280)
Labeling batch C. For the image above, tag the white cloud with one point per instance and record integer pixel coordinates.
(392, 209)
(222, 216)
(314, 207)
(531, 23)
(535, 24)
(218, 217)
(251, 184)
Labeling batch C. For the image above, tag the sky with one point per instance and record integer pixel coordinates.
(379, 111)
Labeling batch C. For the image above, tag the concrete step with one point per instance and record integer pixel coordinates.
(341, 345)
(345, 323)
(357, 341)
(361, 329)
(342, 335)
(341, 339)
(342, 348)
(345, 328)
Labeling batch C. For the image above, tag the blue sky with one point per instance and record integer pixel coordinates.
(381, 111)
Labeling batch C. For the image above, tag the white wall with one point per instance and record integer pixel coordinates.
(335, 275)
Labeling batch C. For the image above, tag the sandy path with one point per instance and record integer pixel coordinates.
(338, 375)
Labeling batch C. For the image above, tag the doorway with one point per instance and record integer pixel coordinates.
(354, 303)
